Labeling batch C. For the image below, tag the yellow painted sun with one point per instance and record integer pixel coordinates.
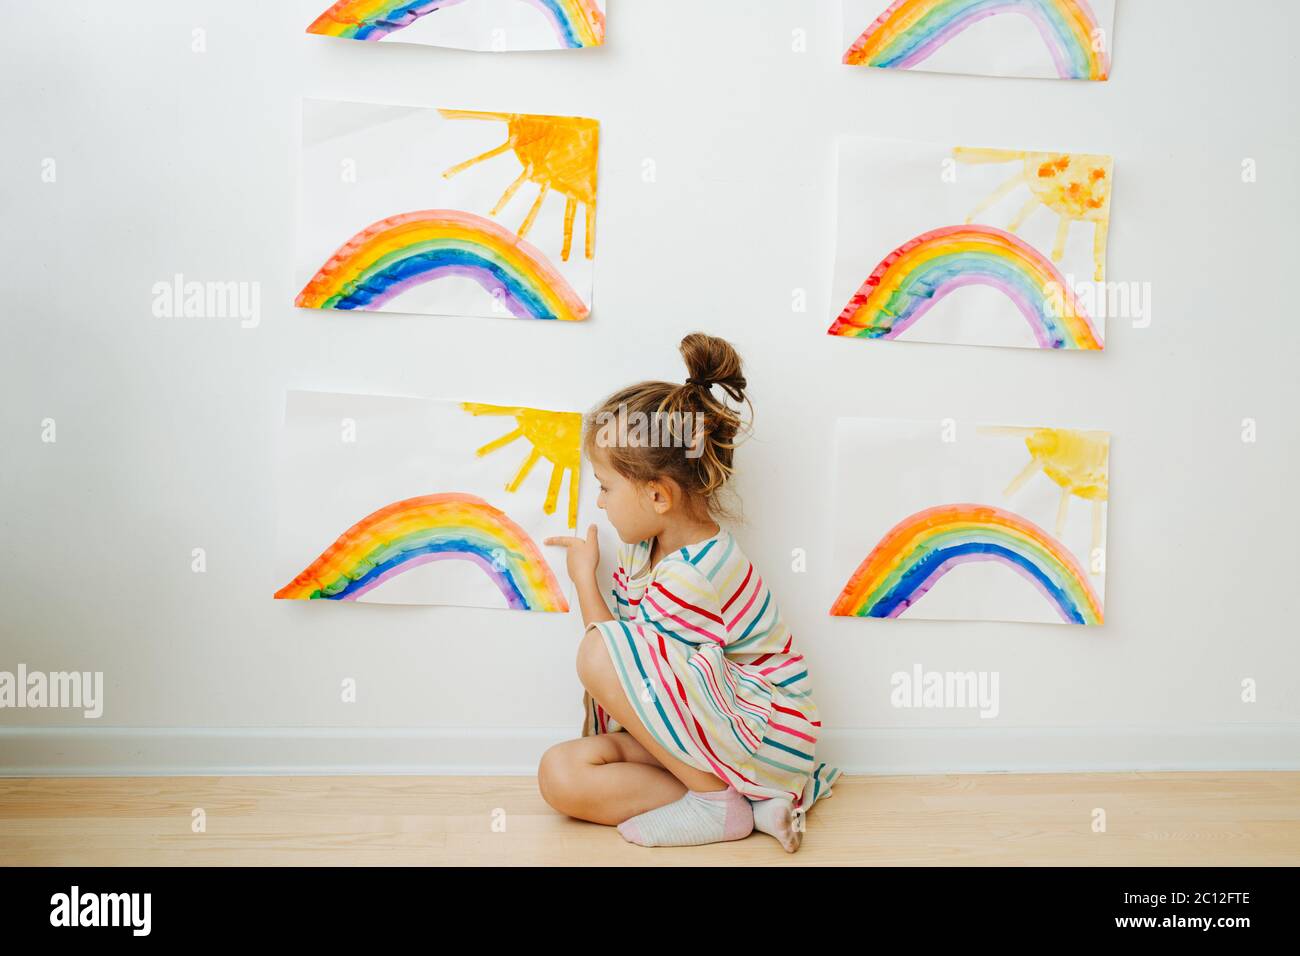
(556, 152)
(555, 436)
(1077, 461)
(1075, 186)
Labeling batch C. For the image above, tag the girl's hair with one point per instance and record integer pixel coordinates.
(690, 434)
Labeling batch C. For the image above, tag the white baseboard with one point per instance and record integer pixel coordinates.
(236, 751)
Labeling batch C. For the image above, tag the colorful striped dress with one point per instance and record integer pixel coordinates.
(710, 667)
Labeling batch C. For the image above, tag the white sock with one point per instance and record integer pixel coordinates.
(697, 818)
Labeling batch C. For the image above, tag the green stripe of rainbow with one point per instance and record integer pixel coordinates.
(909, 31)
(925, 546)
(920, 273)
(392, 255)
(577, 23)
(437, 527)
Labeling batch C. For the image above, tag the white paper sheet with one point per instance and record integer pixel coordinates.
(489, 25)
(964, 480)
(344, 457)
(386, 170)
(1047, 214)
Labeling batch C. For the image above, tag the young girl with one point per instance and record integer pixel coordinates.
(700, 723)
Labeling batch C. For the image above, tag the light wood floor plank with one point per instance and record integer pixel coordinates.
(1153, 819)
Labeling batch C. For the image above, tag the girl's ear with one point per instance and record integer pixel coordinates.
(661, 493)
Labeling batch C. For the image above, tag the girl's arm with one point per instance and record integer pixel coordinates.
(592, 602)
(582, 561)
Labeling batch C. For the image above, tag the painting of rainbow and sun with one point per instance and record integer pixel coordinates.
(446, 211)
(971, 245)
(489, 25)
(394, 500)
(1057, 39)
(970, 522)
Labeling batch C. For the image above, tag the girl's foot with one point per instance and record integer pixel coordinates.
(695, 819)
(779, 819)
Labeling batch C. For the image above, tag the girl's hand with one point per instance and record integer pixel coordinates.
(584, 554)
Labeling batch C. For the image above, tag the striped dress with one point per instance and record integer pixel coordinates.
(711, 669)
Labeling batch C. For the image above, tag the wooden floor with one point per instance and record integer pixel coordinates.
(991, 819)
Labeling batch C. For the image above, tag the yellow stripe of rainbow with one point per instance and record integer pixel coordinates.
(437, 527)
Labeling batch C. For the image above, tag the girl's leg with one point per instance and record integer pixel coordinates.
(710, 811)
(606, 779)
(596, 671)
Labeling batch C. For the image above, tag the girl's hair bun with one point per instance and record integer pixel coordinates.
(713, 361)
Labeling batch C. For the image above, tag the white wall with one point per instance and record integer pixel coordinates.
(173, 161)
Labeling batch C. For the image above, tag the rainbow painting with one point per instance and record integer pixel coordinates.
(577, 23)
(925, 546)
(923, 271)
(908, 32)
(406, 534)
(393, 255)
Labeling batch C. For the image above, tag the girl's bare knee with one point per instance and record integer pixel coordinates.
(562, 774)
(593, 662)
(553, 776)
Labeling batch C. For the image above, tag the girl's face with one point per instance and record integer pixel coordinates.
(636, 511)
